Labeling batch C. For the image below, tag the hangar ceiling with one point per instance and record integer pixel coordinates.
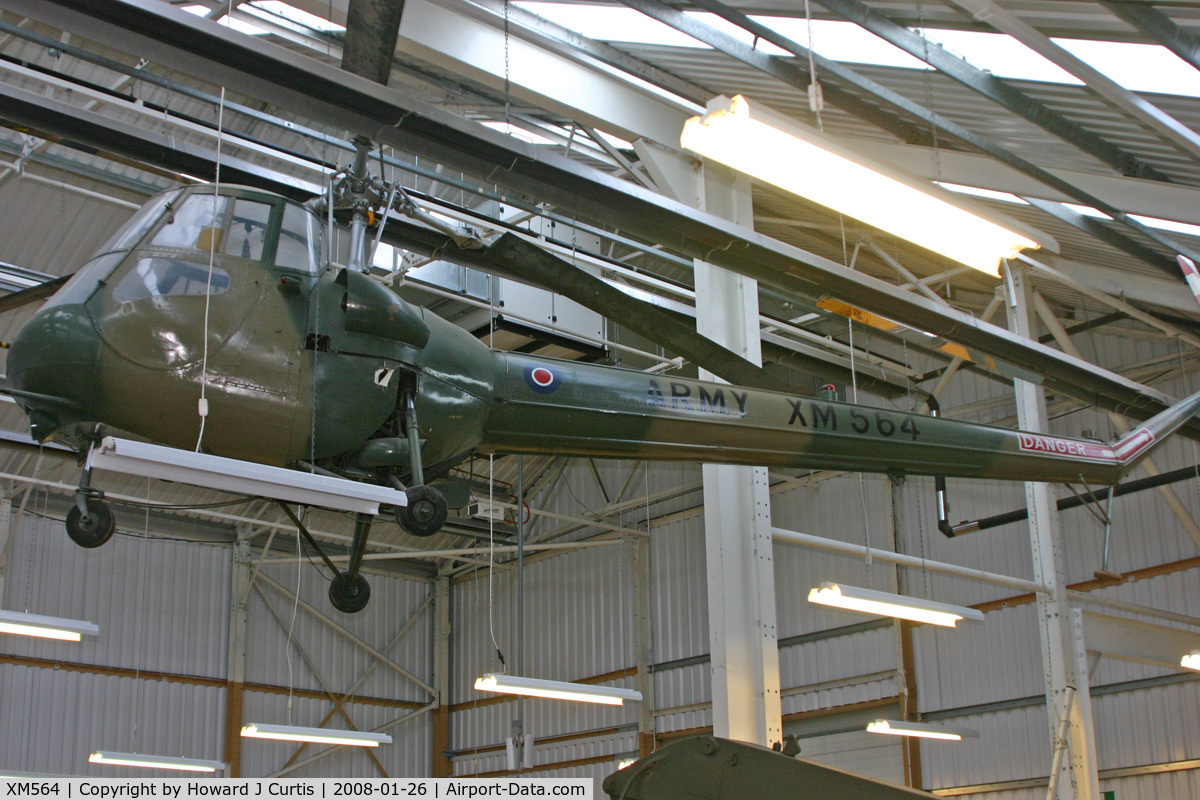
(109, 101)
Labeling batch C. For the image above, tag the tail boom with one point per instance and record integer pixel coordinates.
(568, 408)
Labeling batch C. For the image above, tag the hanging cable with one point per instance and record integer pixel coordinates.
(292, 624)
(492, 561)
(816, 96)
(202, 408)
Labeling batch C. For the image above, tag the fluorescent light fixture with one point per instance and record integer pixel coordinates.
(155, 762)
(885, 604)
(898, 728)
(558, 690)
(67, 630)
(775, 150)
(231, 475)
(1191, 661)
(296, 733)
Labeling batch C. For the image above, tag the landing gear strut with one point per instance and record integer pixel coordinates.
(349, 590)
(90, 522)
(426, 511)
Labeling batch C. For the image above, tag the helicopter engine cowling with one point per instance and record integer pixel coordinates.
(375, 310)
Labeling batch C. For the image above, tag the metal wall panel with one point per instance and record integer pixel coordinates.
(1013, 744)
(679, 584)
(578, 623)
(161, 604)
(998, 659)
(609, 747)
(50, 720)
(879, 757)
(408, 755)
(678, 689)
(339, 661)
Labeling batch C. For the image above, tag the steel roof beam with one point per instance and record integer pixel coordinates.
(1148, 198)
(1159, 27)
(1171, 129)
(793, 74)
(993, 88)
(325, 93)
(666, 14)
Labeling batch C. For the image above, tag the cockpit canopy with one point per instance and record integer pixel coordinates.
(184, 236)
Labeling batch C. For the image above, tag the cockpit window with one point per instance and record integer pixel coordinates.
(137, 225)
(165, 277)
(299, 240)
(248, 229)
(196, 225)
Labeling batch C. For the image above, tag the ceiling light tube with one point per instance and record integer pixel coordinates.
(920, 729)
(67, 630)
(1191, 661)
(297, 733)
(155, 762)
(775, 150)
(557, 690)
(885, 604)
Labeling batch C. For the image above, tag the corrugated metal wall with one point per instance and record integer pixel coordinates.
(163, 607)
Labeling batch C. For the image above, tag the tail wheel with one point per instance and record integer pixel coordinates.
(425, 513)
(349, 595)
(94, 528)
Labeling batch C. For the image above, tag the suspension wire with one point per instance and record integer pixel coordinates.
(492, 561)
(507, 80)
(816, 97)
(202, 408)
(862, 481)
(292, 624)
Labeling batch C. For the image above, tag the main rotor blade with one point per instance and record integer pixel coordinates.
(371, 30)
(32, 294)
(531, 263)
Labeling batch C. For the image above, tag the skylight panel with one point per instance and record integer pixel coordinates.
(1168, 225)
(615, 141)
(517, 133)
(741, 34)
(842, 41)
(987, 194)
(1087, 211)
(228, 22)
(298, 15)
(1138, 67)
(612, 24)
(1000, 54)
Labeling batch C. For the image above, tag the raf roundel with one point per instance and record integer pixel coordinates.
(542, 380)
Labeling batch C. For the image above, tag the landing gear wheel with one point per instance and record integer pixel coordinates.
(425, 513)
(93, 529)
(349, 595)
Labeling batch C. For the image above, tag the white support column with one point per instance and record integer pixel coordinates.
(6, 534)
(235, 675)
(1060, 659)
(737, 500)
(440, 727)
(643, 642)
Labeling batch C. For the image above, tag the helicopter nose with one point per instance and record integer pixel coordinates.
(52, 369)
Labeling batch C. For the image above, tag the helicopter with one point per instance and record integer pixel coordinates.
(214, 320)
